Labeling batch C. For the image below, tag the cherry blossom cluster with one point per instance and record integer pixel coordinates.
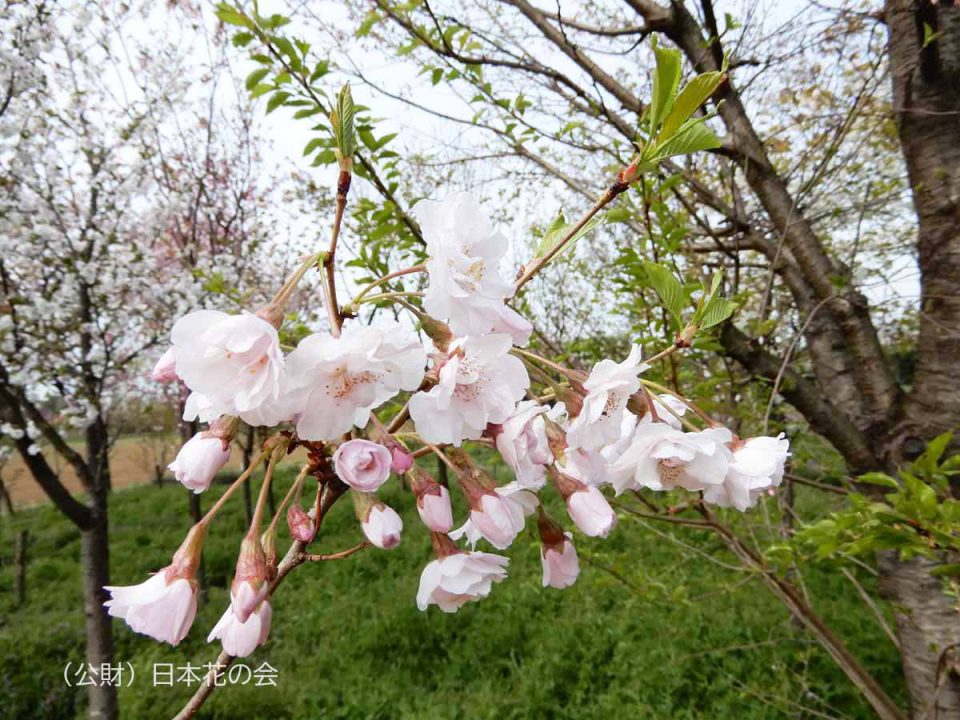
(469, 386)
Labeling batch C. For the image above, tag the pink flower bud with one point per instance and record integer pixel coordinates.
(199, 460)
(363, 465)
(382, 526)
(591, 512)
(560, 564)
(166, 368)
(435, 510)
(300, 524)
(402, 459)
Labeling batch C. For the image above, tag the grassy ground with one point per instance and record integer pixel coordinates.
(674, 636)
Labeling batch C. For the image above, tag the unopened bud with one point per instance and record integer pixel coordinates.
(437, 331)
(556, 438)
(300, 524)
(250, 581)
(380, 522)
(685, 337)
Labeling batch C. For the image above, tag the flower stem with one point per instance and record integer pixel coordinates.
(222, 500)
(294, 490)
(543, 361)
(386, 278)
(275, 454)
(663, 389)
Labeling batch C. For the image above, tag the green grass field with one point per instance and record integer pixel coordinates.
(652, 629)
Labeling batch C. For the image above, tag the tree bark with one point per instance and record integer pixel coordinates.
(95, 563)
(924, 51)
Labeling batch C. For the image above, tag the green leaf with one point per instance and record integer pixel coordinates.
(666, 79)
(342, 122)
(668, 288)
(242, 39)
(558, 229)
(254, 78)
(716, 311)
(312, 145)
(879, 478)
(552, 234)
(276, 100)
(693, 137)
(231, 16)
(946, 569)
(929, 35)
(690, 98)
(934, 451)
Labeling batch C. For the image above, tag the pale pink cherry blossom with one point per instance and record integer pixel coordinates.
(164, 606)
(466, 287)
(232, 362)
(301, 525)
(497, 515)
(560, 564)
(478, 383)
(591, 466)
(523, 445)
(336, 382)
(362, 464)
(512, 323)
(660, 457)
(433, 500)
(608, 389)
(381, 524)
(588, 466)
(457, 577)
(586, 505)
(202, 457)
(558, 556)
(756, 468)
(166, 368)
(668, 408)
(240, 639)
(246, 623)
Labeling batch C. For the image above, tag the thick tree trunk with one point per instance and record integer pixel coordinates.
(95, 563)
(924, 48)
(929, 634)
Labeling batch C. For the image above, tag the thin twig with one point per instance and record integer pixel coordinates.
(307, 557)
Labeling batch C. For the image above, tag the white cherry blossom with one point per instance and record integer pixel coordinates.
(609, 387)
(522, 443)
(756, 468)
(336, 382)
(479, 383)
(451, 581)
(232, 363)
(163, 607)
(500, 516)
(466, 287)
(660, 457)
